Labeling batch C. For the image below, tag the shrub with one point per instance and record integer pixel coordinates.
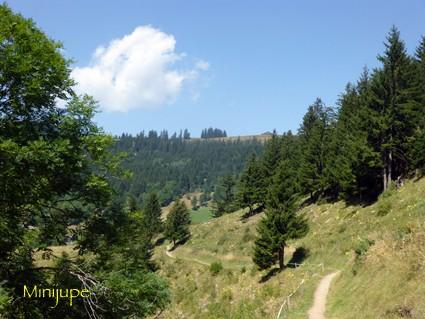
(216, 267)
(362, 247)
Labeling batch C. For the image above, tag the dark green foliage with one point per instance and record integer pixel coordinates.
(274, 231)
(54, 171)
(252, 187)
(131, 204)
(152, 221)
(417, 152)
(210, 133)
(177, 224)
(315, 136)
(173, 166)
(271, 157)
(224, 199)
(285, 185)
(215, 268)
(393, 108)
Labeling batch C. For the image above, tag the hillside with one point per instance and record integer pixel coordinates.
(379, 249)
(173, 166)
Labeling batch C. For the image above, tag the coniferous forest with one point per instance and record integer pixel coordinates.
(175, 165)
(81, 209)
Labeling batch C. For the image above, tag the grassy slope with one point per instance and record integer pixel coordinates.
(385, 281)
(201, 215)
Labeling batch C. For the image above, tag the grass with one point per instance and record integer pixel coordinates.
(203, 214)
(380, 250)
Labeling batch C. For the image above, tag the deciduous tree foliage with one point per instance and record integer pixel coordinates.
(54, 171)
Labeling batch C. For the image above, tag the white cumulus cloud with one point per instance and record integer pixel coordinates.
(139, 70)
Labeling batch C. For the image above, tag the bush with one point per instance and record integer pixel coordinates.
(362, 247)
(216, 267)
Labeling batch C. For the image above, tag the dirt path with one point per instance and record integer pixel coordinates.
(317, 311)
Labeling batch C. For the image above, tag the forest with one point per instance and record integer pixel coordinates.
(64, 181)
(175, 165)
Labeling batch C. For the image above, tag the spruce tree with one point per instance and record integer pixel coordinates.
(224, 196)
(285, 185)
(271, 156)
(252, 187)
(274, 231)
(177, 224)
(315, 133)
(394, 105)
(417, 152)
(152, 215)
(281, 222)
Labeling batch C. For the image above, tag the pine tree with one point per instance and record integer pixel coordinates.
(353, 167)
(177, 224)
(275, 230)
(152, 215)
(285, 185)
(252, 188)
(315, 133)
(271, 156)
(281, 222)
(417, 152)
(224, 196)
(394, 106)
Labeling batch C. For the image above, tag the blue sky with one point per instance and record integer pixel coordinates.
(244, 66)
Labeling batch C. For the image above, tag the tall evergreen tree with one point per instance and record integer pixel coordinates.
(274, 231)
(393, 106)
(224, 196)
(177, 224)
(271, 156)
(252, 187)
(417, 152)
(315, 133)
(152, 215)
(281, 222)
(285, 185)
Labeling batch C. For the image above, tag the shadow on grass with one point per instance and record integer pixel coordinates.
(253, 212)
(298, 257)
(272, 272)
(160, 241)
(178, 243)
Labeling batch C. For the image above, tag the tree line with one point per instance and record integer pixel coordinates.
(213, 132)
(372, 140)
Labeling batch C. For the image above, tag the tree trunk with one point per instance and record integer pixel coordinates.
(281, 256)
(384, 176)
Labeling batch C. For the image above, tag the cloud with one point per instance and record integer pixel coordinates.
(139, 70)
